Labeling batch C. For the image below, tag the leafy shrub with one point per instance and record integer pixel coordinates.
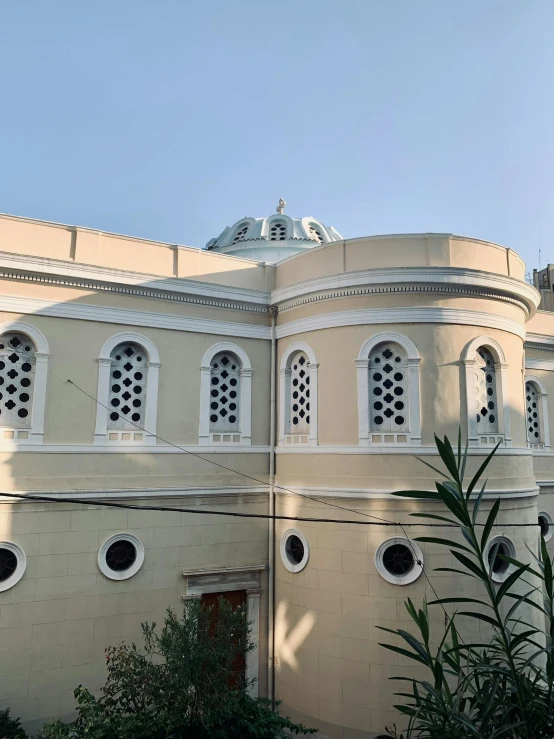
(187, 683)
(503, 687)
(10, 728)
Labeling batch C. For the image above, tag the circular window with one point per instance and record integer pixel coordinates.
(121, 556)
(497, 548)
(547, 527)
(399, 560)
(295, 551)
(12, 564)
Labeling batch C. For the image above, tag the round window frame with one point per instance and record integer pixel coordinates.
(291, 567)
(548, 517)
(106, 570)
(410, 576)
(500, 577)
(20, 568)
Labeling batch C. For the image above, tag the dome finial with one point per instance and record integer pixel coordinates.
(281, 207)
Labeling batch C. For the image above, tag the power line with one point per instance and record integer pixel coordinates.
(311, 498)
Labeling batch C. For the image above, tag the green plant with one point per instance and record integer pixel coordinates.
(187, 683)
(500, 687)
(10, 728)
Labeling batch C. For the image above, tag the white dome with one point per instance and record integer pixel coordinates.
(272, 239)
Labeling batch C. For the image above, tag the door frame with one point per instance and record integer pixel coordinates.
(221, 579)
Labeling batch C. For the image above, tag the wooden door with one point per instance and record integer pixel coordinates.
(236, 598)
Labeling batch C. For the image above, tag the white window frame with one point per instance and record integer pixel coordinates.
(280, 218)
(244, 435)
(412, 436)
(102, 435)
(34, 434)
(285, 438)
(544, 436)
(504, 435)
(20, 567)
(106, 570)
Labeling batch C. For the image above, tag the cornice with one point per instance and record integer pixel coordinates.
(374, 316)
(453, 280)
(29, 448)
(58, 272)
(392, 449)
(86, 312)
(539, 364)
(539, 341)
(141, 493)
(388, 494)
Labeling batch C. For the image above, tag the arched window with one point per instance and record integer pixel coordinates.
(241, 233)
(299, 416)
(277, 231)
(23, 365)
(388, 391)
(536, 414)
(485, 382)
(315, 233)
(388, 383)
(486, 400)
(127, 387)
(298, 396)
(17, 380)
(127, 390)
(225, 396)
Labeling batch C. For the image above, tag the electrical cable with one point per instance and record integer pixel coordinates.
(383, 521)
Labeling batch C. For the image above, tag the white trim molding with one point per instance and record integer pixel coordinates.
(372, 316)
(508, 543)
(244, 434)
(548, 518)
(286, 438)
(544, 426)
(504, 435)
(106, 570)
(286, 559)
(546, 365)
(410, 576)
(148, 435)
(411, 437)
(20, 567)
(454, 280)
(35, 434)
(223, 579)
(150, 319)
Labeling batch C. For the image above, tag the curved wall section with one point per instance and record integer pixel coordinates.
(430, 328)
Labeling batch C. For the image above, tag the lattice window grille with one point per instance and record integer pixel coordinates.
(127, 398)
(225, 393)
(388, 391)
(241, 234)
(485, 393)
(533, 413)
(299, 394)
(315, 234)
(278, 232)
(17, 380)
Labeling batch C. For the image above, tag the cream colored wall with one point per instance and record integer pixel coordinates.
(409, 250)
(70, 416)
(57, 621)
(442, 379)
(88, 246)
(331, 671)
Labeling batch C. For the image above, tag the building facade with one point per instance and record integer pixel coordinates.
(279, 370)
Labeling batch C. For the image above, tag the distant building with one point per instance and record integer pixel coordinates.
(543, 280)
(370, 344)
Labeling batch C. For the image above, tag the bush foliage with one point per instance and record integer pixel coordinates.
(500, 686)
(187, 682)
(10, 728)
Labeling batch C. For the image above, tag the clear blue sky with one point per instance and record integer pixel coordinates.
(171, 119)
